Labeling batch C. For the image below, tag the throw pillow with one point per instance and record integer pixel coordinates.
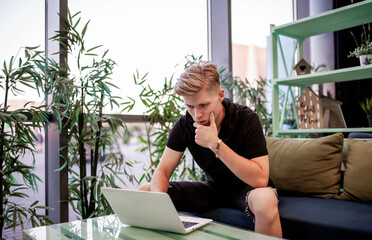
(308, 166)
(358, 169)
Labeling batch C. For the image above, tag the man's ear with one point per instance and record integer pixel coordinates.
(221, 95)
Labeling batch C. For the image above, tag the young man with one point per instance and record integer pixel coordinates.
(227, 142)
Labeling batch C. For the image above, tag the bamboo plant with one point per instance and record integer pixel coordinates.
(252, 95)
(163, 109)
(81, 90)
(17, 138)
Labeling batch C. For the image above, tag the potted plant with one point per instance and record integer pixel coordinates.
(364, 50)
(367, 108)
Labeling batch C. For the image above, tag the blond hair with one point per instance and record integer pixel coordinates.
(198, 76)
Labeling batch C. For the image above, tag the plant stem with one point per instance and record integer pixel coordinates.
(149, 147)
(2, 157)
(82, 159)
(95, 157)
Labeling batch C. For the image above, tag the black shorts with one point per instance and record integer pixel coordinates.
(203, 196)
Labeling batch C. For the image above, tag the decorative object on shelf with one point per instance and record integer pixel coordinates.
(318, 111)
(367, 108)
(302, 67)
(365, 59)
(364, 50)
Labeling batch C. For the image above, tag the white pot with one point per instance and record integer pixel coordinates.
(365, 59)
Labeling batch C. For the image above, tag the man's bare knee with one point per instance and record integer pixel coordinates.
(263, 202)
(145, 187)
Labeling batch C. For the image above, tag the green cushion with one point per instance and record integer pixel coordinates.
(358, 172)
(308, 166)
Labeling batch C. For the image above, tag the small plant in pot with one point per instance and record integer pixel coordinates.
(364, 50)
(367, 108)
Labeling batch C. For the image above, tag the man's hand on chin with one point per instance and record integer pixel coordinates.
(207, 136)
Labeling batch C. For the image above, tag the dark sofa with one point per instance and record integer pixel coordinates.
(327, 204)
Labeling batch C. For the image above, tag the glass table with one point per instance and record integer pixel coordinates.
(109, 227)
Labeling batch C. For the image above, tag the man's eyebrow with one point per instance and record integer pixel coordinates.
(200, 104)
(205, 103)
(188, 105)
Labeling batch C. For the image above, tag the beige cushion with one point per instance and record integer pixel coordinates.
(358, 172)
(307, 166)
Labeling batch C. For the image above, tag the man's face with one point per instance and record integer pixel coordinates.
(202, 104)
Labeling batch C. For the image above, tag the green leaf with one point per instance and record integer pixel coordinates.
(62, 167)
(5, 70)
(32, 48)
(34, 203)
(93, 48)
(85, 29)
(107, 89)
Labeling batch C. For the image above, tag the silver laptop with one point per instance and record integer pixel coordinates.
(150, 210)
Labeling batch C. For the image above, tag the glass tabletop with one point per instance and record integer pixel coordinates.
(110, 227)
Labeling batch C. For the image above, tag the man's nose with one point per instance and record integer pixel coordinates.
(198, 113)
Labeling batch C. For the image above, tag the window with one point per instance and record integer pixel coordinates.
(145, 35)
(250, 22)
(22, 24)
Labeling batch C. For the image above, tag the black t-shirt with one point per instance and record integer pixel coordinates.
(240, 130)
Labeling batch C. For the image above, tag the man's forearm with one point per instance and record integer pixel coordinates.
(253, 172)
(159, 182)
(163, 172)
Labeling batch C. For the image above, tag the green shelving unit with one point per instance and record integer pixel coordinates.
(331, 21)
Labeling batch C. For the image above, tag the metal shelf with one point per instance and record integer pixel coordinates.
(340, 75)
(346, 17)
(342, 18)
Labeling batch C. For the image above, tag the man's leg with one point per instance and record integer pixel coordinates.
(263, 203)
(190, 196)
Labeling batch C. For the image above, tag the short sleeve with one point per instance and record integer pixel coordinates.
(255, 143)
(176, 138)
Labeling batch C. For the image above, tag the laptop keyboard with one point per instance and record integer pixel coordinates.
(188, 224)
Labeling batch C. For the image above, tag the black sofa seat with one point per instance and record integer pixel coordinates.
(309, 218)
(316, 218)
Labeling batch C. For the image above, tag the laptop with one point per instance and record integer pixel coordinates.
(153, 210)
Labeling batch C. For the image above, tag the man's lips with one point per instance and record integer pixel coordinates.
(202, 122)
